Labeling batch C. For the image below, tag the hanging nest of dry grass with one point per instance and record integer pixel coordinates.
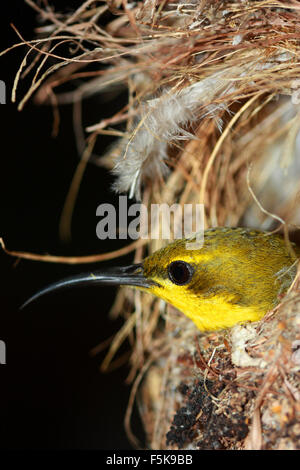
(212, 117)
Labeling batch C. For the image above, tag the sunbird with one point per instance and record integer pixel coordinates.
(237, 276)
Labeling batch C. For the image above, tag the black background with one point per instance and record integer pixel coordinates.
(53, 395)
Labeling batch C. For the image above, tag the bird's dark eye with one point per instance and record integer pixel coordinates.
(180, 272)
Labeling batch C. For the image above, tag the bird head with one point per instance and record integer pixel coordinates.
(234, 278)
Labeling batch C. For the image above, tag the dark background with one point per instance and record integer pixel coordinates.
(53, 395)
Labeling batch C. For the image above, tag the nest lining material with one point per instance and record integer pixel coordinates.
(212, 117)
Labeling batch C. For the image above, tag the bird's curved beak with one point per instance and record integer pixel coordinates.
(132, 275)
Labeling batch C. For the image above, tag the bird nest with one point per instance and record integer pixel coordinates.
(212, 117)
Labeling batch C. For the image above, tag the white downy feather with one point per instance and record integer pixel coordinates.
(162, 121)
